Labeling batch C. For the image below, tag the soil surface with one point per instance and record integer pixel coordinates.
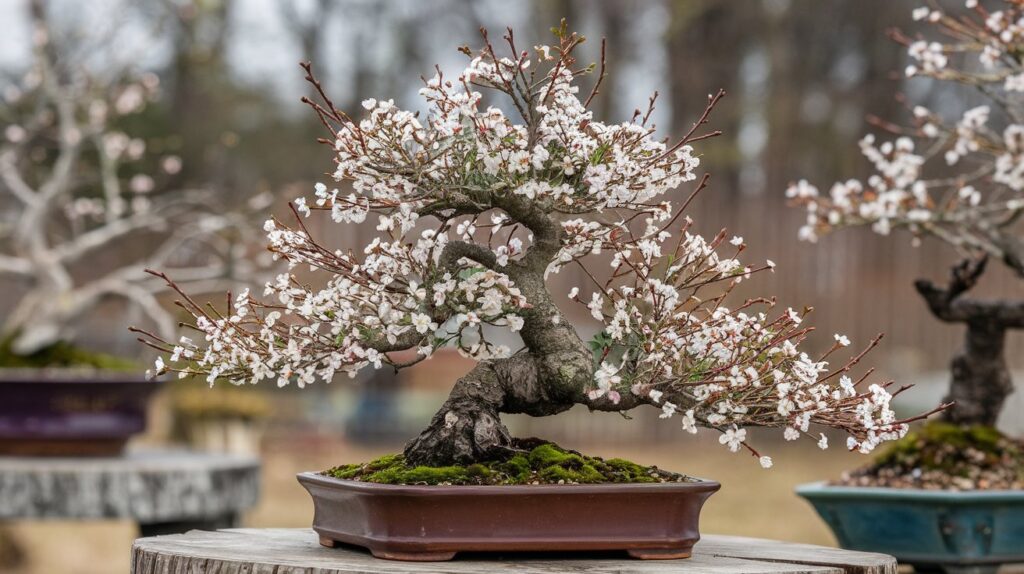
(943, 456)
(537, 462)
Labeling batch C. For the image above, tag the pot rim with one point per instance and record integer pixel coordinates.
(701, 485)
(821, 489)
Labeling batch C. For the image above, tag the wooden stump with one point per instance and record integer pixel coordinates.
(298, 551)
(164, 491)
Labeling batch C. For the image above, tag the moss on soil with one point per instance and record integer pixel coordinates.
(947, 456)
(535, 463)
(62, 355)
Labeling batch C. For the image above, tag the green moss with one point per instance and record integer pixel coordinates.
(61, 355)
(583, 474)
(534, 464)
(959, 451)
(567, 372)
(630, 471)
(345, 471)
(517, 468)
(386, 461)
(401, 474)
(478, 470)
(548, 454)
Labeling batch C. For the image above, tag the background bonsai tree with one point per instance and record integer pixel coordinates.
(959, 180)
(476, 208)
(87, 195)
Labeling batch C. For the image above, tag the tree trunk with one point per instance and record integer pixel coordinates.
(468, 426)
(981, 381)
(548, 378)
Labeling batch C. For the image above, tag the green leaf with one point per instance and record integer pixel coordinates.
(467, 273)
(600, 342)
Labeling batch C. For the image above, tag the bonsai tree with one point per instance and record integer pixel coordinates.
(479, 204)
(87, 195)
(959, 181)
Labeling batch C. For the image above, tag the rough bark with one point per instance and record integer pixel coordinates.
(549, 377)
(468, 426)
(981, 381)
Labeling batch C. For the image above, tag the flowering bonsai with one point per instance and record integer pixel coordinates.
(82, 189)
(959, 181)
(479, 204)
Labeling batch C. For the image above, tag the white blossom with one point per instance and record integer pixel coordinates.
(733, 438)
(911, 188)
(454, 194)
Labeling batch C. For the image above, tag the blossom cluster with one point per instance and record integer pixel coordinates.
(961, 180)
(561, 158)
(718, 367)
(475, 206)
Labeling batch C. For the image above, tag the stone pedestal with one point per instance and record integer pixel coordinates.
(163, 491)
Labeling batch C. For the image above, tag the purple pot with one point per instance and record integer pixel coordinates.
(71, 413)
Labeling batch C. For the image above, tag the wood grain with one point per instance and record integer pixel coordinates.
(297, 551)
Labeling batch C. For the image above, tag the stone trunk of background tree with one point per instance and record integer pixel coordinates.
(981, 381)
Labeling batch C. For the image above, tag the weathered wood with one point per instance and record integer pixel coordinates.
(791, 552)
(148, 487)
(297, 551)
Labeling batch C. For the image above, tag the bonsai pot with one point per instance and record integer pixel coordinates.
(70, 413)
(935, 530)
(430, 523)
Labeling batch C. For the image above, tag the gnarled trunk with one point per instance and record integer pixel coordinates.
(468, 426)
(549, 377)
(981, 381)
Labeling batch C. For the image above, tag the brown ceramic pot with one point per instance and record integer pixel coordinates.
(429, 523)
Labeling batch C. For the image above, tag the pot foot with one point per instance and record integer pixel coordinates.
(660, 553)
(413, 556)
(327, 542)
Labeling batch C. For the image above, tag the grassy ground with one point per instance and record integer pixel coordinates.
(752, 502)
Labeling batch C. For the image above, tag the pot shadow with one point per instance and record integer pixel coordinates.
(510, 556)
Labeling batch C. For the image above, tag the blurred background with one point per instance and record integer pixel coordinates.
(801, 77)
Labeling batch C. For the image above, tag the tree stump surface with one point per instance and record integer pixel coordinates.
(297, 551)
(146, 486)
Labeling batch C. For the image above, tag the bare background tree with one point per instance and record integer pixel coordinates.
(88, 202)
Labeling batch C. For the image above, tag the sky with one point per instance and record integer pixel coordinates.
(262, 52)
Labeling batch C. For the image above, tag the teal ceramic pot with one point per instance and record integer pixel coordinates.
(955, 532)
